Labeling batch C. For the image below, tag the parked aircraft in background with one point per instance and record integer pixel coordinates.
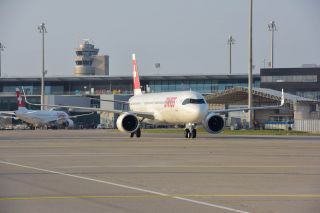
(40, 118)
(184, 107)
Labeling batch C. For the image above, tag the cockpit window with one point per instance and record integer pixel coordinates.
(193, 101)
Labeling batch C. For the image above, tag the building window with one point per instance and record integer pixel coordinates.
(289, 78)
(309, 94)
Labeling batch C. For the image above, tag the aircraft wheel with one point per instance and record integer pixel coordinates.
(186, 133)
(194, 133)
(131, 135)
(138, 133)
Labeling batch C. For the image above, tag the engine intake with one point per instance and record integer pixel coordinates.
(213, 123)
(128, 122)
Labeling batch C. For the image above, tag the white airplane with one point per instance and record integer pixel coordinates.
(188, 108)
(40, 118)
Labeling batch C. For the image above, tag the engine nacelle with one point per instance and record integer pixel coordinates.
(128, 122)
(213, 123)
(68, 123)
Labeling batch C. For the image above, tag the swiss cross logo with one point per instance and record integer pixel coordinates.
(170, 102)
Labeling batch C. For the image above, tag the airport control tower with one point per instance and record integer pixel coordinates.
(88, 62)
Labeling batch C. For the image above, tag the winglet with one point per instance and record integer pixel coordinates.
(282, 98)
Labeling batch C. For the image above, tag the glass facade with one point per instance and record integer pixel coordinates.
(115, 85)
(202, 86)
(289, 78)
(301, 81)
(77, 87)
(309, 94)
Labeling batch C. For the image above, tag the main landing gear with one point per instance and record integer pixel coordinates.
(190, 131)
(137, 133)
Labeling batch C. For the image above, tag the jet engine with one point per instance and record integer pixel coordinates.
(68, 123)
(128, 122)
(213, 123)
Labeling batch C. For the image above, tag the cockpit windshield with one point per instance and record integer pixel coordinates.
(193, 101)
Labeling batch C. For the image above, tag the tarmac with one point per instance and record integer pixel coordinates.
(106, 171)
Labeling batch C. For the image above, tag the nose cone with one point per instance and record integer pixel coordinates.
(196, 113)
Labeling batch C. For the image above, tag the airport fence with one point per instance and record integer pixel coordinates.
(307, 125)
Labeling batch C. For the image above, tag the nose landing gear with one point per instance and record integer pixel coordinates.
(137, 133)
(190, 131)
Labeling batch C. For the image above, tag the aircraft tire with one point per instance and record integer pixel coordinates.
(138, 133)
(194, 133)
(186, 133)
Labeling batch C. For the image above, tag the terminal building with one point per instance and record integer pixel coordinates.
(303, 81)
(220, 91)
(100, 85)
(91, 78)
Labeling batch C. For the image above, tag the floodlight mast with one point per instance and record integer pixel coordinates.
(1, 49)
(272, 27)
(42, 29)
(250, 113)
(231, 41)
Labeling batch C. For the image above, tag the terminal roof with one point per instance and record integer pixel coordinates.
(129, 78)
(261, 96)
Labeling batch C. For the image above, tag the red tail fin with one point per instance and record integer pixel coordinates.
(20, 100)
(136, 81)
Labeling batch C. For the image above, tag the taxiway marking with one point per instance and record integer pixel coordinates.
(312, 196)
(128, 187)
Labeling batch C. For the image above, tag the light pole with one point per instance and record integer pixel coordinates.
(1, 49)
(272, 27)
(42, 29)
(250, 113)
(231, 41)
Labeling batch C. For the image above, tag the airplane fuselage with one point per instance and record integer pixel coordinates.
(171, 107)
(41, 117)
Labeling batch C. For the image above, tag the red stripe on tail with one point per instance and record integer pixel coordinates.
(20, 101)
(136, 80)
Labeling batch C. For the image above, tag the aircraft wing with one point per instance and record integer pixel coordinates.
(115, 101)
(148, 115)
(75, 107)
(139, 114)
(245, 109)
(77, 116)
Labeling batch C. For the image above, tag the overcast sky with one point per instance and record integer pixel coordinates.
(185, 36)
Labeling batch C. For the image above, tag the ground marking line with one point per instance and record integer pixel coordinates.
(177, 166)
(160, 196)
(127, 187)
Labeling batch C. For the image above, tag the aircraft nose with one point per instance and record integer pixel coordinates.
(198, 112)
